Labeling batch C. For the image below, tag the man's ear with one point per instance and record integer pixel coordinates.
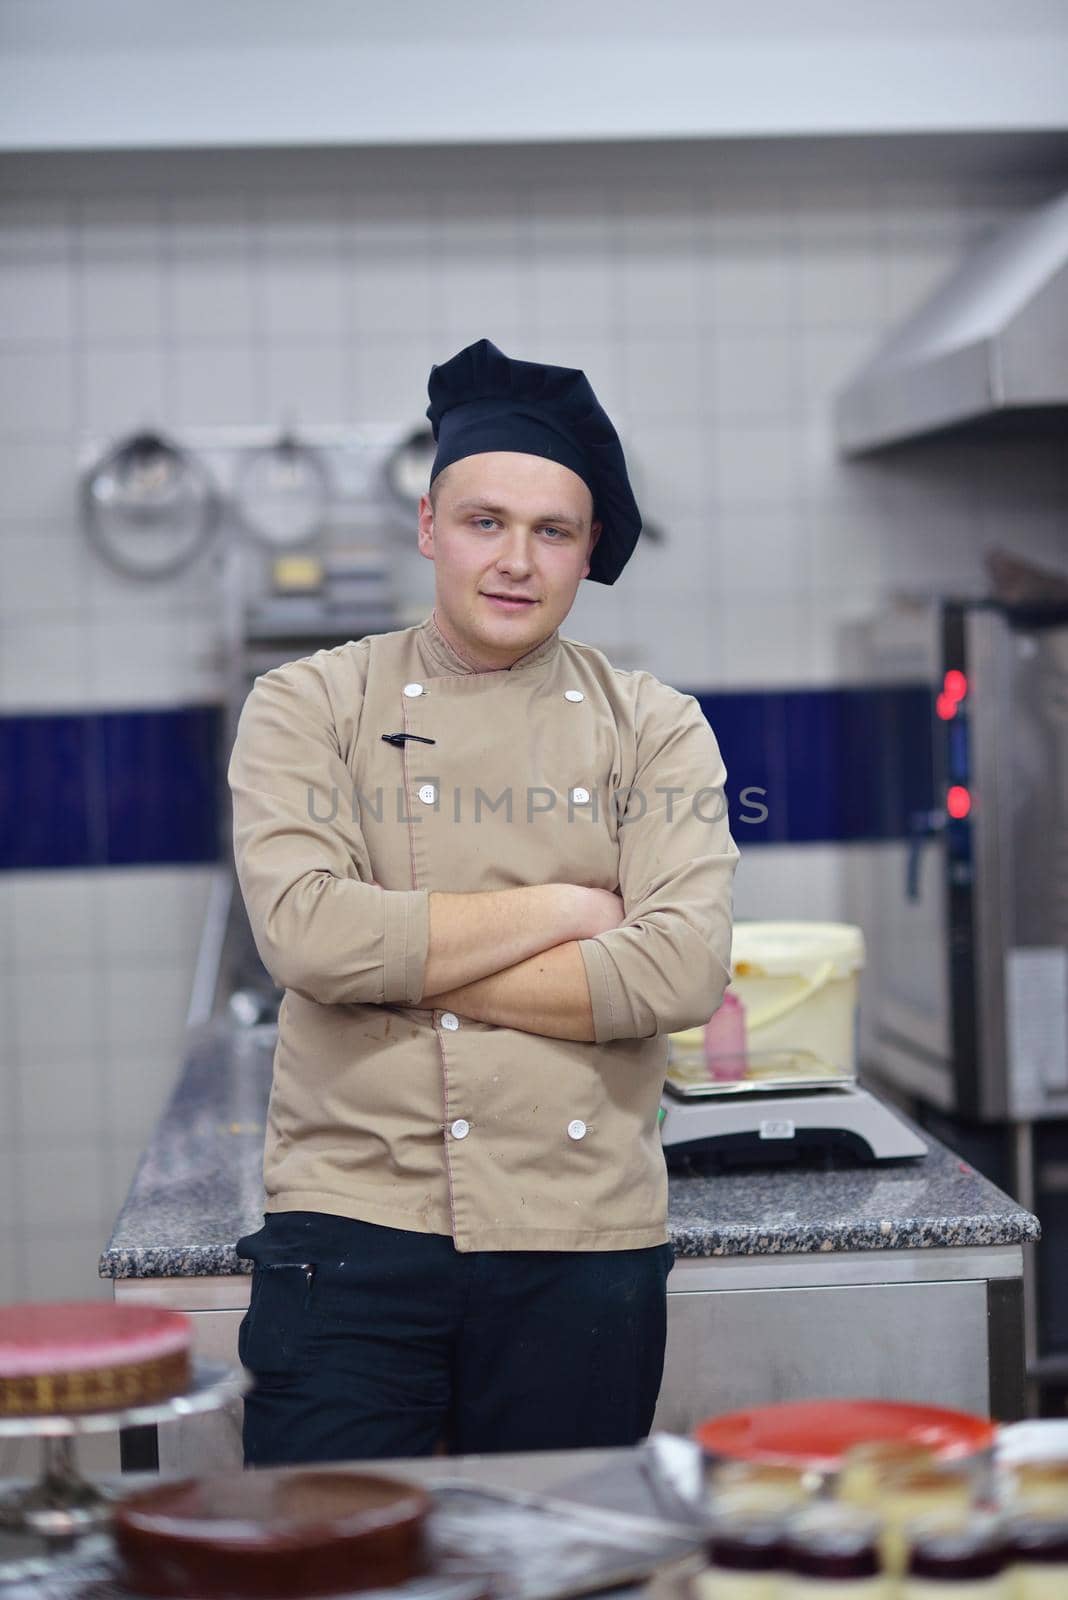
(426, 527)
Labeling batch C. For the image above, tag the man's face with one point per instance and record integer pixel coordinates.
(505, 525)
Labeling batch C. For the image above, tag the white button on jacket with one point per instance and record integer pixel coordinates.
(427, 793)
(460, 1128)
(576, 1129)
(412, 690)
(450, 1020)
(574, 694)
(580, 795)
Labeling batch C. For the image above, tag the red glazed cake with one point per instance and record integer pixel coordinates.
(77, 1357)
(274, 1534)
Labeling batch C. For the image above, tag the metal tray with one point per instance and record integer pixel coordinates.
(692, 1086)
(520, 1546)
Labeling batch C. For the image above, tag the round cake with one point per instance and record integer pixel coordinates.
(274, 1533)
(74, 1357)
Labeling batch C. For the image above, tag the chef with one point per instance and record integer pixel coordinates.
(491, 873)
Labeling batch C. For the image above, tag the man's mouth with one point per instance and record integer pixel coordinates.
(515, 601)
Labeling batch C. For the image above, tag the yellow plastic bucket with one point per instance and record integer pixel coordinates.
(798, 983)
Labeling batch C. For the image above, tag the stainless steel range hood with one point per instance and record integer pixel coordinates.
(990, 347)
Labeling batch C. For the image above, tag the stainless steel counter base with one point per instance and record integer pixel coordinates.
(939, 1326)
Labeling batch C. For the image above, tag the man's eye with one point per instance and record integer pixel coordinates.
(484, 521)
(560, 533)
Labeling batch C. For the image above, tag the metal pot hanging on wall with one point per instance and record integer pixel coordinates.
(407, 469)
(149, 507)
(282, 493)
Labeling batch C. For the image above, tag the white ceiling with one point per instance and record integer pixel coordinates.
(145, 74)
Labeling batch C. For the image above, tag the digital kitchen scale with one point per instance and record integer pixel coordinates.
(774, 1124)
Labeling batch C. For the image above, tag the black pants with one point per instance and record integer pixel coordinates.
(368, 1342)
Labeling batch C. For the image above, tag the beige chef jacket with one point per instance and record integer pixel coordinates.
(561, 768)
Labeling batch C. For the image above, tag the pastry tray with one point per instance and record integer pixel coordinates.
(509, 1543)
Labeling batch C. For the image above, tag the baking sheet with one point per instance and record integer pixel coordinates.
(694, 1088)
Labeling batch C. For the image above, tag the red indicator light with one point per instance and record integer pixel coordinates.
(946, 707)
(955, 685)
(958, 802)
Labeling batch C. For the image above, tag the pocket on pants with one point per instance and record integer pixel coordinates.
(274, 1333)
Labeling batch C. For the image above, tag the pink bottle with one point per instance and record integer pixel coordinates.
(725, 1049)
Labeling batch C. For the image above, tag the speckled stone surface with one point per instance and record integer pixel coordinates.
(914, 1205)
(198, 1188)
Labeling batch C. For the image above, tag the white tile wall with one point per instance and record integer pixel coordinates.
(796, 881)
(43, 661)
(475, 282)
(95, 974)
(44, 574)
(659, 281)
(218, 381)
(124, 386)
(36, 392)
(38, 479)
(572, 282)
(307, 380)
(121, 269)
(36, 272)
(715, 315)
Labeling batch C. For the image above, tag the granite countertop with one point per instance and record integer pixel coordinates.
(198, 1188)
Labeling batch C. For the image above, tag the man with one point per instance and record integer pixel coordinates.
(492, 872)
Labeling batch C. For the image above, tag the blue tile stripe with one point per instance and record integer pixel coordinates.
(120, 788)
(110, 788)
(839, 765)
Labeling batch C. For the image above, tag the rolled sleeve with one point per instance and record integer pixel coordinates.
(667, 965)
(605, 992)
(406, 940)
(321, 925)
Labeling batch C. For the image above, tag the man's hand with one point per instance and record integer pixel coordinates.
(475, 935)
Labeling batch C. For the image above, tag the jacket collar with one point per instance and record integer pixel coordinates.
(436, 649)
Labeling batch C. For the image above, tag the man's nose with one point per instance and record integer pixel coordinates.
(515, 553)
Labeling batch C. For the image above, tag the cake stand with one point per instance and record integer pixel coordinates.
(62, 1505)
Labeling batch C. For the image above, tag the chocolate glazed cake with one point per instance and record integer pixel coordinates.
(272, 1534)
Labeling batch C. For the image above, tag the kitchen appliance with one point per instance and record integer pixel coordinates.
(968, 937)
(987, 350)
(702, 1121)
(323, 566)
(968, 929)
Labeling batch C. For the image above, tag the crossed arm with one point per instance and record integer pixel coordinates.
(562, 960)
(511, 957)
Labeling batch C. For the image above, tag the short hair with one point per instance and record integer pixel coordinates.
(435, 487)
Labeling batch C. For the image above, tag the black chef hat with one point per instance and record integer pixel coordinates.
(482, 400)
